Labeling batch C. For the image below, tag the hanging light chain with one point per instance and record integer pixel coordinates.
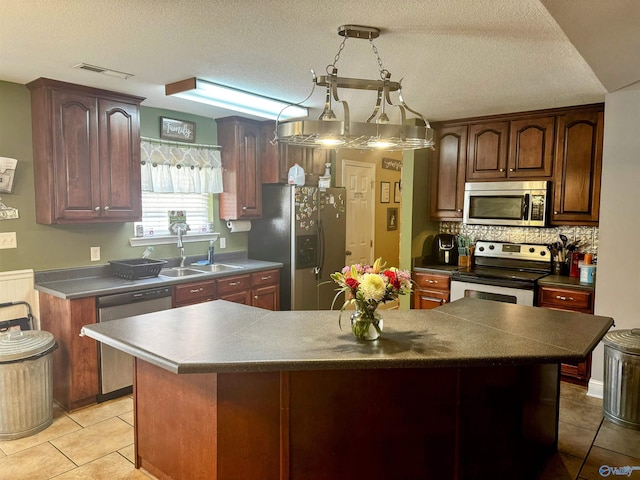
(383, 71)
(331, 66)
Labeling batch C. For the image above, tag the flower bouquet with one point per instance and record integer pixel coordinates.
(366, 286)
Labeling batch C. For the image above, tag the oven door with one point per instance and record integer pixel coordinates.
(491, 292)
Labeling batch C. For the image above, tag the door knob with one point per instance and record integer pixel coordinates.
(348, 252)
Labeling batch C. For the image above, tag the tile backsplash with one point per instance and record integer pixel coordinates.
(588, 236)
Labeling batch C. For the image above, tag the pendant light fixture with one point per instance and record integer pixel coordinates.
(376, 132)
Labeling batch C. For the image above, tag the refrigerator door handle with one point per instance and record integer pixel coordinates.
(320, 249)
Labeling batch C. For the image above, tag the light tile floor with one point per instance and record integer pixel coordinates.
(97, 443)
(587, 442)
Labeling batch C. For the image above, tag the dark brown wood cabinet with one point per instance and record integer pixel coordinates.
(195, 292)
(266, 289)
(570, 300)
(578, 167)
(430, 289)
(241, 142)
(487, 151)
(531, 148)
(447, 173)
(86, 145)
(75, 361)
(235, 289)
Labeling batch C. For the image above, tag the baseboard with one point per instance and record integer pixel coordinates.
(595, 389)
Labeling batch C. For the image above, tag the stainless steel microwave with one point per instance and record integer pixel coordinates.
(520, 204)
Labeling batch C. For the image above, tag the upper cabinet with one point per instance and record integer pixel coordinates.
(562, 145)
(531, 148)
(517, 149)
(487, 151)
(578, 169)
(447, 173)
(242, 145)
(86, 146)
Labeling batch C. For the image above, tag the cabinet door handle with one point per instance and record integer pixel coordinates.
(233, 284)
(566, 299)
(107, 207)
(431, 299)
(266, 278)
(197, 290)
(512, 169)
(256, 297)
(501, 170)
(244, 208)
(555, 213)
(97, 209)
(459, 210)
(432, 281)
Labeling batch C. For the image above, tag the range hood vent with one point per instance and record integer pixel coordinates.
(104, 71)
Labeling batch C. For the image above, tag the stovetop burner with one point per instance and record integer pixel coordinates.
(507, 264)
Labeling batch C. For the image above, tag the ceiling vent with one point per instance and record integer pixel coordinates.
(104, 71)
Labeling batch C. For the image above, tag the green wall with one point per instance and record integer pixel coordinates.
(44, 247)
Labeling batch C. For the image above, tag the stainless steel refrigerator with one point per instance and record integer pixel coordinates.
(304, 228)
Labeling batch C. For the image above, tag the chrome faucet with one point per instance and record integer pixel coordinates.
(180, 246)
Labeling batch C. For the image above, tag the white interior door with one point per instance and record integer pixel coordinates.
(359, 178)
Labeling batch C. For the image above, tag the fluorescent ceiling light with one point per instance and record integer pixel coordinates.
(233, 99)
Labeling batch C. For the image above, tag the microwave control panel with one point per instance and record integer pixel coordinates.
(537, 207)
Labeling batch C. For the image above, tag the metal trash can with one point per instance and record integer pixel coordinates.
(622, 377)
(26, 383)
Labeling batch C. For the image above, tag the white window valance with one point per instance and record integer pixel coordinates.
(169, 167)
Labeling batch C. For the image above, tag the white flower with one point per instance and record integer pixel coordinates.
(372, 287)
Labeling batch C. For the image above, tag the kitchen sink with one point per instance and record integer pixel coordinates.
(179, 272)
(217, 267)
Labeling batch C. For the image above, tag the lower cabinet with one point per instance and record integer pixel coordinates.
(266, 290)
(569, 300)
(430, 290)
(196, 292)
(258, 289)
(75, 361)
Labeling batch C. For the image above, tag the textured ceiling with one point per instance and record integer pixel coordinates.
(457, 58)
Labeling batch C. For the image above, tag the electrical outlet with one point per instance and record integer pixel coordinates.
(223, 242)
(8, 240)
(95, 254)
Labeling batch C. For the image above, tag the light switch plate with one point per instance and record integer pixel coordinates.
(95, 254)
(8, 240)
(223, 242)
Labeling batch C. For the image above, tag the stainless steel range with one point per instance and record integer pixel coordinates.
(504, 272)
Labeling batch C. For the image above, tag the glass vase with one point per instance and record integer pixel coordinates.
(366, 325)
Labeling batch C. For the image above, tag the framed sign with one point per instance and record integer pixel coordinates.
(396, 192)
(385, 192)
(180, 130)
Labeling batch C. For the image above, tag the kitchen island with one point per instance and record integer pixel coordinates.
(469, 390)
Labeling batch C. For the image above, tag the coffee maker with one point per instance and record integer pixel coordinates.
(444, 249)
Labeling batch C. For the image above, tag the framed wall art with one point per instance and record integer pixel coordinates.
(392, 219)
(385, 192)
(396, 192)
(178, 130)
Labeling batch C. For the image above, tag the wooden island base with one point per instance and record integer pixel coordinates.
(398, 423)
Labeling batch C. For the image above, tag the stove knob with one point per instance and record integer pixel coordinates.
(491, 247)
(531, 249)
(543, 252)
(481, 249)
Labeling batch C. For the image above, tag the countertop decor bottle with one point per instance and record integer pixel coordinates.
(210, 253)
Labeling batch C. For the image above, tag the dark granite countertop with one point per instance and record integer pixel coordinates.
(566, 282)
(429, 265)
(220, 336)
(95, 281)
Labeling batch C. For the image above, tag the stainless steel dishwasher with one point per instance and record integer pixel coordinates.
(116, 367)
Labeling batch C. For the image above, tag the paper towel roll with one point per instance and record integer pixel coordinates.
(239, 225)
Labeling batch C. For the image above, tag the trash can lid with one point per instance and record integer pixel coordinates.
(627, 341)
(22, 344)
